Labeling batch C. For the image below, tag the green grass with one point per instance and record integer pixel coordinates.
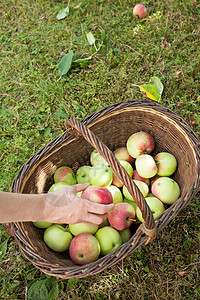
(35, 102)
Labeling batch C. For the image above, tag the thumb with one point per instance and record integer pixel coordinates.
(81, 186)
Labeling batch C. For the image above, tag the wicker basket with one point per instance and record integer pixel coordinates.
(110, 126)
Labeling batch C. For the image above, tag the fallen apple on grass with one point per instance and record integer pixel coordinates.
(166, 163)
(109, 239)
(84, 249)
(166, 189)
(81, 227)
(140, 143)
(155, 205)
(122, 216)
(65, 174)
(57, 238)
(101, 175)
(97, 194)
(140, 10)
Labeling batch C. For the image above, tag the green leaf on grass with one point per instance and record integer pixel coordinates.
(54, 292)
(3, 248)
(82, 60)
(65, 63)
(90, 38)
(151, 91)
(63, 13)
(157, 83)
(43, 289)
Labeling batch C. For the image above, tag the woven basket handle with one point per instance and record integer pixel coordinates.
(149, 226)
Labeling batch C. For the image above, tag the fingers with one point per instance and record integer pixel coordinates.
(95, 219)
(100, 208)
(81, 186)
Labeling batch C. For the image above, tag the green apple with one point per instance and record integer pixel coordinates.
(104, 223)
(101, 175)
(65, 174)
(166, 163)
(97, 159)
(132, 202)
(143, 187)
(109, 239)
(81, 227)
(166, 189)
(82, 174)
(57, 186)
(125, 235)
(42, 224)
(155, 205)
(116, 194)
(57, 238)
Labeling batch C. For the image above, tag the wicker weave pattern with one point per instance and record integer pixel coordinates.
(109, 129)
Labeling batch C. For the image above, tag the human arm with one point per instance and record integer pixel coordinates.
(60, 206)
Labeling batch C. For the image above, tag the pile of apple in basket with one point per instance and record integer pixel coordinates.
(86, 242)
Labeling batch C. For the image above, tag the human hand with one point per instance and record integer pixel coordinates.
(64, 206)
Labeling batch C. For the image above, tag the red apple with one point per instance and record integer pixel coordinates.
(97, 194)
(136, 176)
(122, 216)
(140, 143)
(140, 10)
(122, 154)
(84, 249)
(65, 174)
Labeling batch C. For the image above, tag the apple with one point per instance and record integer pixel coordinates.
(146, 166)
(101, 175)
(97, 159)
(143, 187)
(104, 223)
(125, 235)
(97, 194)
(132, 202)
(77, 228)
(140, 10)
(136, 176)
(79, 194)
(129, 169)
(57, 186)
(122, 216)
(166, 163)
(122, 154)
(155, 205)
(84, 249)
(166, 189)
(116, 194)
(82, 174)
(42, 224)
(109, 239)
(57, 238)
(154, 179)
(65, 174)
(140, 143)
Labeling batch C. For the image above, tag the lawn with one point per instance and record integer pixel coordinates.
(35, 100)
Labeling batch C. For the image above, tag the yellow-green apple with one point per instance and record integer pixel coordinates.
(140, 143)
(125, 235)
(140, 10)
(42, 224)
(81, 227)
(101, 175)
(57, 238)
(136, 176)
(84, 249)
(146, 166)
(142, 186)
(97, 159)
(109, 239)
(166, 189)
(129, 169)
(65, 174)
(82, 174)
(104, 223)
(97, 194)
(122, 216)
(132, 202)
(122, 154)
(155, 205)
(57, 186)
(116, 194)
(166, 163)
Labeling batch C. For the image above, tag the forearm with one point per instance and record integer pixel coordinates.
(16, 207)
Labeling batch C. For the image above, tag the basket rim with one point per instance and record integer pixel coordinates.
(138, 239)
